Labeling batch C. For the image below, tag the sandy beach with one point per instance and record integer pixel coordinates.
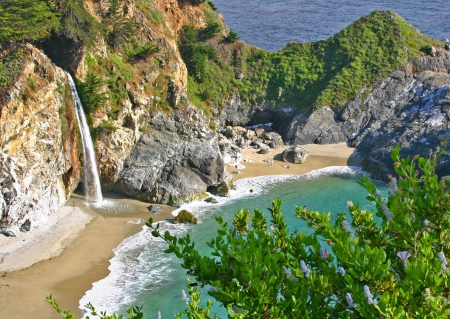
(76, 252)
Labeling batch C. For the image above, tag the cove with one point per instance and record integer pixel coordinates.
(142, 274)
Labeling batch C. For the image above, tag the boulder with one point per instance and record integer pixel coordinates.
(154, 209)
(295, 154)
(263, 149)
(274, 140)
(185, 217)
(169, 166)
(211, 200)
(260, 132)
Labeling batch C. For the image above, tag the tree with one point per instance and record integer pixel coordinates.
(89, 92)
(77, 24)
(121, 28)
(354, 267)
(231, 37)
(26, 19)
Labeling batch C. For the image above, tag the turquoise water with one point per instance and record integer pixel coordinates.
(141, 274)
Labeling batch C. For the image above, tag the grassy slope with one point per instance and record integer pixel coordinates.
(312, 75)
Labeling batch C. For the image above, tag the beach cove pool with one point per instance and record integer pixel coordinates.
(142, 274)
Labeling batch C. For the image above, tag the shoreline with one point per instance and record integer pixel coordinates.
(84, 257)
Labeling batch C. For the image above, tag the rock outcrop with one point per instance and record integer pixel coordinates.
(419, 127)
(185, 217)
(39, 143)
(295, 154)
(177, 161)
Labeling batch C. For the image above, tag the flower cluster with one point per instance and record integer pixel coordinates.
(342, 271)
(184, 297)
(304, 269)
(386, 211)
(369, 296)
(351, 304)
(393, 186)
(288, 274)
(323, 253)
(347, 228)
(443, 260)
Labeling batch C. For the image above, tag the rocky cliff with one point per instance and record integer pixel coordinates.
(409, 108)
(40, 145)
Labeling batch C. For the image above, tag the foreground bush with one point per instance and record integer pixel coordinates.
(348, 266)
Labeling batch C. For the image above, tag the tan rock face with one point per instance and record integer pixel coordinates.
(39, 155)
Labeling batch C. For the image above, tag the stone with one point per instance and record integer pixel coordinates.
(263, 149)
(432, 51)
(26, 226)
(274, 140)
(295, 154)
(154, 209)
(269, 161)
(185, 217)
(211, 200)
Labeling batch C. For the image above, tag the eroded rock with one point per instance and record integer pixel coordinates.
(295, 154)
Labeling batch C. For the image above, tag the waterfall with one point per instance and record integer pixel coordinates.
(92, 189)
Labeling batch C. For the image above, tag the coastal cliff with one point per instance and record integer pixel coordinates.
(160, 79)
(40, 145)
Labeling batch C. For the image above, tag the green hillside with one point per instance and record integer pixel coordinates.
(309, 75)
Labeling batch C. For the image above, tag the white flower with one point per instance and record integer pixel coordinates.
(184, 297)
(342, 271)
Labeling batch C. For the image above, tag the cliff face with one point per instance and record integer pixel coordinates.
(40, 148)
(409, 108)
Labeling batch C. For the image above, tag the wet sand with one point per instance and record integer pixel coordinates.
(86, 254)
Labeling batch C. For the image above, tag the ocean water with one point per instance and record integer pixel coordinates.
(142, 274)
(271, 24)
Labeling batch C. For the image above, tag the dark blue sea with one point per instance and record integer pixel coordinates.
(140, 273)
(271, 24)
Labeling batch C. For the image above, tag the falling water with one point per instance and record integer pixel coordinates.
(93, 191)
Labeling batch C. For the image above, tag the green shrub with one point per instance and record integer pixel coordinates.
(89, 92)
(231, 37)
(141, 52)
(10, 68)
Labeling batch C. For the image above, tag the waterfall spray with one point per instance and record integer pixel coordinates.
(93, 191)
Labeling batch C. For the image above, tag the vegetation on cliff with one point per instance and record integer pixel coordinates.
(306, 75)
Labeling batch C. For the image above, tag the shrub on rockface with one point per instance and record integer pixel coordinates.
(26, 20)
